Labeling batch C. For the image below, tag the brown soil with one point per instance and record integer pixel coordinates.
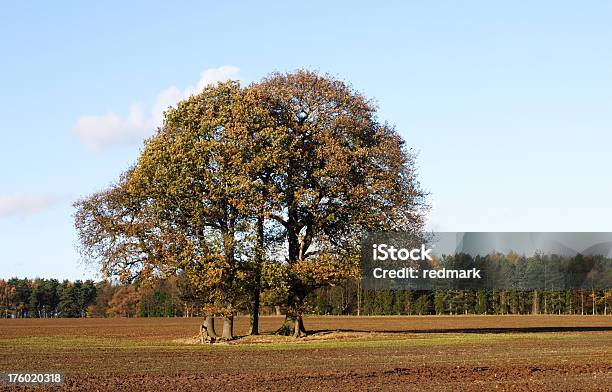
(511, 353)
(458, 378)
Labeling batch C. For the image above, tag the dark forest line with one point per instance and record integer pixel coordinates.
(173, 297)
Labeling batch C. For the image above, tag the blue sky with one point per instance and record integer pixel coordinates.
(509, 105)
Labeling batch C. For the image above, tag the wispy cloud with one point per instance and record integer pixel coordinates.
(19, 205)
(103, 131)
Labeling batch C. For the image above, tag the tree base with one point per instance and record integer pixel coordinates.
(292, 327)
(205, 337)
(228, 328)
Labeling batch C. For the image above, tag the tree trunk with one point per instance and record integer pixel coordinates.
(294, 323)
(359, 297)
(228, 327)
(254, 330)
(293, 326)
(536, 303)
(207, 330)
(298, 327)
(259, 255)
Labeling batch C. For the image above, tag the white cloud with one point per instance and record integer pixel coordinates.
(100, 132)
(25, 205)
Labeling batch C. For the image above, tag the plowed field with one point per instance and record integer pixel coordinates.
(481, 353)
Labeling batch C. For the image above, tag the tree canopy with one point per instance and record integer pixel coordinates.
(242, 187)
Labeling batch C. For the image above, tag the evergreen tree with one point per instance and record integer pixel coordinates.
(482, 305)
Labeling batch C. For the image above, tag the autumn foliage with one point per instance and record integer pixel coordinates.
(264, 187)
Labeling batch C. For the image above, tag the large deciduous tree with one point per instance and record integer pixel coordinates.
(270, 184)
(192, 201)
(343, 173)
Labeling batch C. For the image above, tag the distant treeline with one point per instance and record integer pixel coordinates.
(348, 299)
(43, 298)
(46, 298)
(172, 297)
